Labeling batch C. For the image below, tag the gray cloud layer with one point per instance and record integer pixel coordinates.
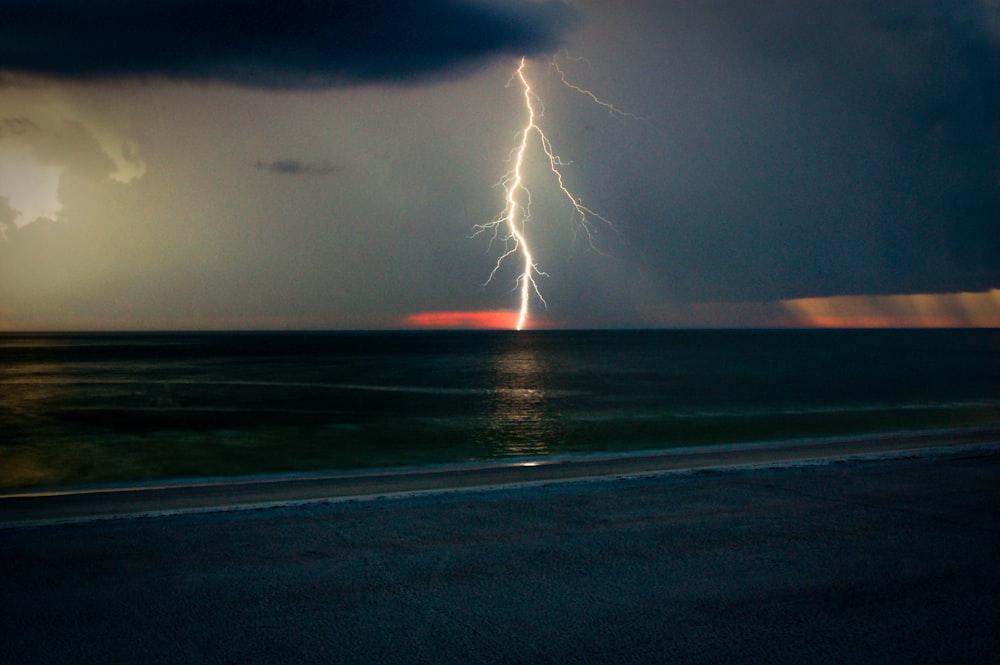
(264, 43)
(830, 148)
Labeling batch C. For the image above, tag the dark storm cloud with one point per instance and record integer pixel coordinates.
(922, 57)
(296, 167)
(271, 43)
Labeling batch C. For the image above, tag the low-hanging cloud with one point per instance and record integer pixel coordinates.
(294, 44)
(296, 167)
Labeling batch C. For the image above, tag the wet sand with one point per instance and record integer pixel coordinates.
(886, 554)
(64, 505)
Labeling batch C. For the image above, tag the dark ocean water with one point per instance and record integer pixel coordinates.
(119, 407)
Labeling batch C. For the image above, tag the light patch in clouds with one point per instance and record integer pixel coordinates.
(296, 167)
(44, 134)
(66, 127)
(30, 187)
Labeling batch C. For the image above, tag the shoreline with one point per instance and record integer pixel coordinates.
(52, 506)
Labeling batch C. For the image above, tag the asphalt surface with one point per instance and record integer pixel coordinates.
(889, 560)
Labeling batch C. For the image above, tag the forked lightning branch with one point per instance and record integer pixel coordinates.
(510, 227)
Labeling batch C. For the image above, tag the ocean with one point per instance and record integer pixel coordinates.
(78, 409)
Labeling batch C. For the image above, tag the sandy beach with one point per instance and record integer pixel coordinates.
(882, 551)
(87, 503)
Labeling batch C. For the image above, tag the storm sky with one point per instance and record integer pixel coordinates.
(323, 163)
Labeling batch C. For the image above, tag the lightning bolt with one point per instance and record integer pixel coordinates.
(509, 226)
(614, 110)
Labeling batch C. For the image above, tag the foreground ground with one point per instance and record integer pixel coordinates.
(891, 560)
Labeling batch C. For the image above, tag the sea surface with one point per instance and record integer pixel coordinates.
(108, 408)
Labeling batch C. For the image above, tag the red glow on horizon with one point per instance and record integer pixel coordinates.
(485, 319)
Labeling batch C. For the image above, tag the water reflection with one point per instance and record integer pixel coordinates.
(522, 418)
(28, 390)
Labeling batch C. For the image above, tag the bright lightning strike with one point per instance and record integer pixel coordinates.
(510, 224)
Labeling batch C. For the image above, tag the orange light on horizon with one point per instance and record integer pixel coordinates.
(917, 310)
(875, 321)
(483, 319)
(978, 309)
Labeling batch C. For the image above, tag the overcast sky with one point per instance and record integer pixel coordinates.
(323, 163)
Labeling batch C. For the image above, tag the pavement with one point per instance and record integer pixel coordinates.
(887, 557)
